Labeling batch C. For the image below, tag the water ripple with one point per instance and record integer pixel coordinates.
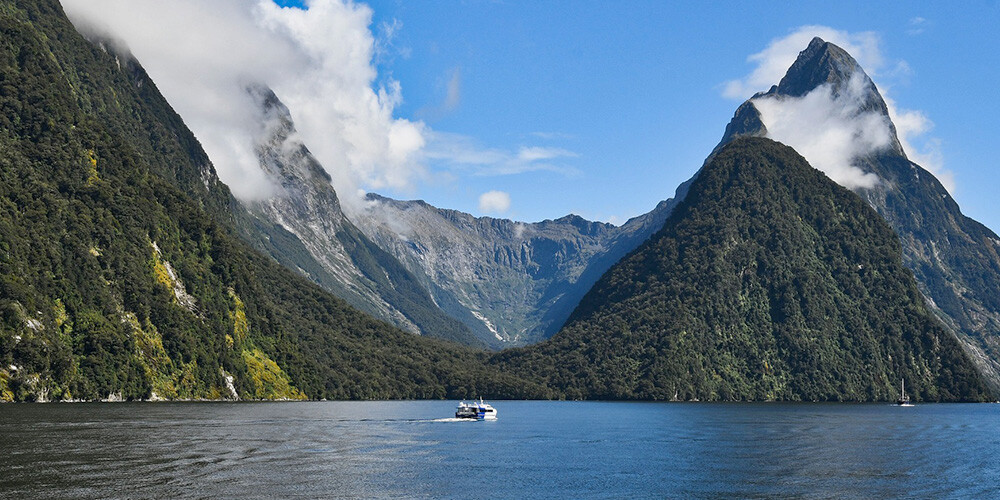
(536, 449)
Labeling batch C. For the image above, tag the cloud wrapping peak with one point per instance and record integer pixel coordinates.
(828, 130)
(319, 62)
(772, 62)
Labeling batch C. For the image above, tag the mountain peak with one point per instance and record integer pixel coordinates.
(823, 63)
(820, 63)
(821, 66)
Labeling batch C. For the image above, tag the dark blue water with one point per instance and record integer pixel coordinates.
(535, 449)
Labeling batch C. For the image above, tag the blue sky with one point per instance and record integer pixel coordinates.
(634, 89)
(601, 108)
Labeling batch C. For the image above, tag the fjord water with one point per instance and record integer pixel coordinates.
(536, 449)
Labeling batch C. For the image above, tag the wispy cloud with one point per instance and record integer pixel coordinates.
(461, 152)
(385, 42)
(452, 98)
(916, 26)
(535, 153)
(551, 136)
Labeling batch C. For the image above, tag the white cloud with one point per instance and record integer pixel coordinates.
(910, 126)
(494, 202)
(772, 62)
(828, 130)
(319, 62)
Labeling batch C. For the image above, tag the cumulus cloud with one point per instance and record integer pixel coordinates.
(319, 61)
(828, 130)
(494, 202)
(772, 62)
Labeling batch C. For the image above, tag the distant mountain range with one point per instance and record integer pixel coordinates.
(513, 283)
(442, 273)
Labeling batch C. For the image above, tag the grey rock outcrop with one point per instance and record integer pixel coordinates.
(304, 227)
(513, 283)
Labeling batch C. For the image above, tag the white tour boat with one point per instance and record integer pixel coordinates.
(477, 410)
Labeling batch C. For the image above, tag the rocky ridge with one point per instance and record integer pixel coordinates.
(306, 230)
(513, 283)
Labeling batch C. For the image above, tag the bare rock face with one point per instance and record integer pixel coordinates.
(513, 283)
(306, 230)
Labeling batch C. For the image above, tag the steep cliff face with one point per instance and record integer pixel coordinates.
(513, 283)
(955, 259)
(308, 231)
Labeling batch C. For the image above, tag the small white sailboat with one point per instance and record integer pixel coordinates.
(903, 400)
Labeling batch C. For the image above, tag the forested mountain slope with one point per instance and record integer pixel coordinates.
(121, 272)
(955, 259)
(769, 281)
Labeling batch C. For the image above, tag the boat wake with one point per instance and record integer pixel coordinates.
(453, 419)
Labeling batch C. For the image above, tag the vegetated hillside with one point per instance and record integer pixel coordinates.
(121, 274)
(306, 230)
(512, 283)
(768, 282)
(955, 259)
